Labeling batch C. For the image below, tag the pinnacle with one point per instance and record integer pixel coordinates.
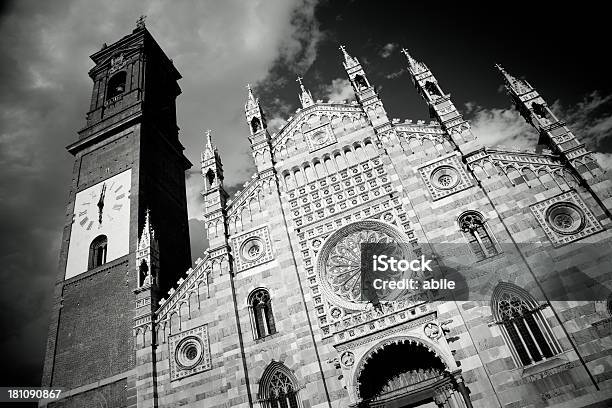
(413, 64)
(512, 83)
(251, 102)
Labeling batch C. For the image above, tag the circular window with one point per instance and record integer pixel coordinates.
(565, 218)
(252, 249)
(444, 178)
(188, 352)
(338, 266)
(319, 138)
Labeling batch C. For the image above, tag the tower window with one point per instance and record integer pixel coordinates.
(97, 252)
(144, 274)
(540, 110)
(255, 125)
(116, 85)
(432, 89)
(523, 325)
(278, 387)
(262, 318)
(476, 232)
(361, 82)
(210, 177)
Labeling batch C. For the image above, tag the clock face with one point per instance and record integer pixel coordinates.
(101, 212)
(102, 204)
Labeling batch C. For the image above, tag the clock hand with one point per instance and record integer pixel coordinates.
(101, 203)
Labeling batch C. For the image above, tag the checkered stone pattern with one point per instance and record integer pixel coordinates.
(583, 223)
(189, 352)
(320, 137)
(445, 176)
(252, 248)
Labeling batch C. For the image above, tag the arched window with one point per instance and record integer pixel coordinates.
(97, 252)
(475, 231)
(255, 125)
(361, 82)
(432, 88)
(210, 177)
(144, 275)
(116, 85)
(262, 318)
(278, 387)
(524, 328)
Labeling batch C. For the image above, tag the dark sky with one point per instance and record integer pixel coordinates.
(219, 47)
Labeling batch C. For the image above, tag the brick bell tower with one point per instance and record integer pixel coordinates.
(128, 160)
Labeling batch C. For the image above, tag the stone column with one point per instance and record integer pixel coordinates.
(464, 392)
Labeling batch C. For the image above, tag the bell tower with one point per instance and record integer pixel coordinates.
(127, 159)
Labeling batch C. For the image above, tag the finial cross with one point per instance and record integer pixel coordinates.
(299, 79)
(140, 23)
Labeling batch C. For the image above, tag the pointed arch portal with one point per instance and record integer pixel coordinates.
(407, 374)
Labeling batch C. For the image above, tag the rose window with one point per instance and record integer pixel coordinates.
(339, 262)
(252, 249)
(565, 218)
(444, 178)
(189, 352)
(319, 138)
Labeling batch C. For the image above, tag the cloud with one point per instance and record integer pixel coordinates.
(590, 120)
(387, 50)
(275, 124)
(396, 74)
(340, 90)
(497, 127)
(604, 160)
(44, 48)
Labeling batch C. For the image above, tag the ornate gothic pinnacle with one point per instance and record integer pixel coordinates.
(513, 84)
(348, 60)
(305, 97)
(147, 231)
(414, 65)
(140, 23)
(252, 102)
(209, 149)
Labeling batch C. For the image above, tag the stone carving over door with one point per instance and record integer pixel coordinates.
(376, 377)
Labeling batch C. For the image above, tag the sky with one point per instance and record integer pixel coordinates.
(219, 47)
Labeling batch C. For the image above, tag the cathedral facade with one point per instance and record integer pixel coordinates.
(271, 314)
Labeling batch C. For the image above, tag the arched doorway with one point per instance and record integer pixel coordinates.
(406, 374)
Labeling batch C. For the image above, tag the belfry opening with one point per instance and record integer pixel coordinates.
(406, 374)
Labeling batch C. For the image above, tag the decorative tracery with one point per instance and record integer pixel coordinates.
(278, 388)
(261, 313)
(480, 239)
(528, 332)
(344, 263)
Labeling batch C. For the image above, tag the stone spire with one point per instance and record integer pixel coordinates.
(147, 256)
(209, 150)
(252, 102)
(441, 106)
(349, 61)
(519, 86)
(306, 96)
(148, 234)
(415, 66)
